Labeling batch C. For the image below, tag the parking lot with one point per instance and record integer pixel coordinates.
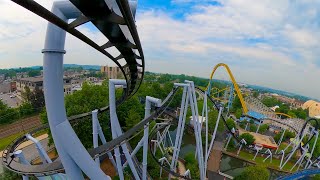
(11, 102)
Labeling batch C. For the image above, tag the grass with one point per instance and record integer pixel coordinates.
(259, 160)
(7, 140)
(284, 145)
(4, 142)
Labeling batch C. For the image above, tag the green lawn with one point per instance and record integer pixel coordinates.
(259, 160)
(284, 145)
(7, 140)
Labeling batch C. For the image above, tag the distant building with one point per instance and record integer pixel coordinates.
(7, 87)
(297, 104)
(111, 72)
(2, 77)
(37, 82)
(31, 82)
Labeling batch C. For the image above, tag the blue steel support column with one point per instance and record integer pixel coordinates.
(95, 132)
(180, 123)
(157, 102)
(104, 141)
(18, 154)
(214, 133)
(196, 125)
(116, 128)
(72, 153)
(43, 154)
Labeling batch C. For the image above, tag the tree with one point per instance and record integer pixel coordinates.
(212, 120)
(132, 119)
(230, 123)
(33, 73)
(263, 128)
(192, 164)
(270, 101)
(255, 94)
(253, 128)
(37, 99)
(238, 113)
(254, 172)
(89, 98)
(26, 94)
(7, 114)
(248, 137)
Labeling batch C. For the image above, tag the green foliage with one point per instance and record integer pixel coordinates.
(34, 98)
(192, 164)
(238, 113)
(316, 152)
(230, 123)
(286, 137)
(263, 128)
(9, 175)
(254, 172)
(7, 114)
(253, 128)
(248, 137)
(255, 94)
(213, 116)
(271, 101)
(243, 124)
(132, 119)
(316, 177)
(33, 73)
(236, 103)
(299, 113)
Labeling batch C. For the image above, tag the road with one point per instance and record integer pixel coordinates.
(11, 102)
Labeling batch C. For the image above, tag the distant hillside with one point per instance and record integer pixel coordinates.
(86, 67)
(83, 66)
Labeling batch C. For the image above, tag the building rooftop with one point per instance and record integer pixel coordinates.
(33, 79)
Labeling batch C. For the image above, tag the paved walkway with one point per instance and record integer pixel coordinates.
(182, 168)
(215, 157)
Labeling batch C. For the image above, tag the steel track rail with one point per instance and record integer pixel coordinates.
(55, 167)
(108, 22)
(238, 140)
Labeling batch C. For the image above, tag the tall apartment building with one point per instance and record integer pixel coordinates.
(111, 72)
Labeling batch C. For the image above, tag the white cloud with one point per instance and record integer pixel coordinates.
(265, 42)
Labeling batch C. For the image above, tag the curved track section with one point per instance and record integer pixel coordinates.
(55, 167)
(234, 82)
(238, 140)
(118, 27)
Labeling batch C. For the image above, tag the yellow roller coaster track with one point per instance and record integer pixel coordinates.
(236, 87)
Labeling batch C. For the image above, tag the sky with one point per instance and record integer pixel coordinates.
(269, 43)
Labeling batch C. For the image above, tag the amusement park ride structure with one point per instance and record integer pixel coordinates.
(115, 19)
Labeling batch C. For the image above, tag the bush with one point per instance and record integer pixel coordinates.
(243, 124)
(192, 165)
(230, 123)
(253, 128)
(248, 137)
(263, 128)
(254, 172)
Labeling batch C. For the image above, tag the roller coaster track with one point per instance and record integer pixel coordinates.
(174, 121)
(115, 20)
(56, 166)
(234, 82)
(114, 25)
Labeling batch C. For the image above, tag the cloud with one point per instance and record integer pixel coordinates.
(258, 39)
(270, 43)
